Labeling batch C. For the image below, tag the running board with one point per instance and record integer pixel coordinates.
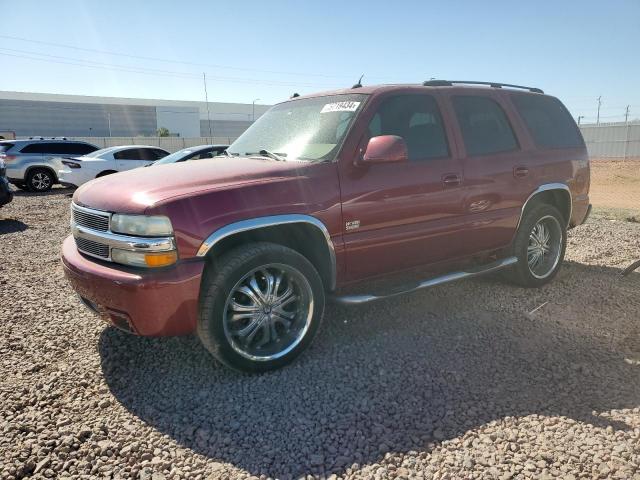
(431, 282)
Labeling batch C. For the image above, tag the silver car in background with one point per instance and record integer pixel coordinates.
(33, 164)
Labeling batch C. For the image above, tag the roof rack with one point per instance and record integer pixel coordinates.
(449, 83)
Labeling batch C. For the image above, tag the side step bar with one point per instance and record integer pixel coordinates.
(431, 282)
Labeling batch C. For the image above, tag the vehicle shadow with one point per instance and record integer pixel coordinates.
(393, 376)
(11, 225)
(56, 191)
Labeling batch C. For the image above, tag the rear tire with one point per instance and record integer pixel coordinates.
(261, 304)
(40, 180)
(539, 245)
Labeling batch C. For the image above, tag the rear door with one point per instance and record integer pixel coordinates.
(495, 166)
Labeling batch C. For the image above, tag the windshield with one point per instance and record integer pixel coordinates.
(310, 129)
(175, 156)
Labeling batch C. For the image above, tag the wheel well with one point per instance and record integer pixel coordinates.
(106, 172)
(41, 167)
(306, 239)
(559, 198)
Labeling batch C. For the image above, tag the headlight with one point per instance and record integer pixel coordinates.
(141, 225)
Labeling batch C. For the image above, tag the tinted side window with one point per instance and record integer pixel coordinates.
(548, 121)
(484, 125)
(39, 147)
(157, 154)
(80, 148)
(416, 118)
(128, 154)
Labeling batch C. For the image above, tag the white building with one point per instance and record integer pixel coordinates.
(54, 115)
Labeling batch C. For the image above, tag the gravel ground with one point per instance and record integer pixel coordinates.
(461, 381)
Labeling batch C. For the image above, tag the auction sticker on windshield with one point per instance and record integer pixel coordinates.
(340, 107)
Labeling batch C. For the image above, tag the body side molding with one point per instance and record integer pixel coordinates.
(271, 221)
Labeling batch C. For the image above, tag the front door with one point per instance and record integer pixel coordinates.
(401, 215)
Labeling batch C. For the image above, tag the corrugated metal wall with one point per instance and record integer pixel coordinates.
(614, 141)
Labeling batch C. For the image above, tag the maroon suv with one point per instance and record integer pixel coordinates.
(439, 181)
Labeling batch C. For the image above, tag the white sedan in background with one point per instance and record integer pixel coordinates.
(75, 171)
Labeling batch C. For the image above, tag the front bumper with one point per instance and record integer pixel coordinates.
(6, 195)
(161, 302)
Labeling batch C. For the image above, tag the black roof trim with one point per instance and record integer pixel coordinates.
(449, 83)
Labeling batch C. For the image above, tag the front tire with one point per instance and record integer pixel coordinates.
(40, 180)
(261, 304)
(539, 245)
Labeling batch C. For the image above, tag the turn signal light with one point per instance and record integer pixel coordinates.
(160, 259)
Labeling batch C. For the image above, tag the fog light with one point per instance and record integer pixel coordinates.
(144, 259)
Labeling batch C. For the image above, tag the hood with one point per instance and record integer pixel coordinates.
(136, 190)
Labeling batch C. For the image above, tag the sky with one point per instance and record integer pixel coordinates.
(267, 50)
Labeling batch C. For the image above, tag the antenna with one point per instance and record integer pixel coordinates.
(295, 95)
(359, 84)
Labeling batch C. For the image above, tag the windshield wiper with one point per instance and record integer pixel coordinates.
(266, 153)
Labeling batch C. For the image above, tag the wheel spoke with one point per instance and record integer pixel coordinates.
(251, 328)
(270, 292)
(257, 300)
(237, 307)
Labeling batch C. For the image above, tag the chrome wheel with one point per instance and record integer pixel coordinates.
(268, 312)
(41, 181)
(545, 247)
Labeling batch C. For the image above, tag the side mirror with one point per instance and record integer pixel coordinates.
(385, 149)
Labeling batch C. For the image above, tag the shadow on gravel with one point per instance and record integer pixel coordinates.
(395, 376)
(12, 226)
(56, 191)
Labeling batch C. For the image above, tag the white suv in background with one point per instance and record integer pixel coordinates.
(32, 163)
(79, 170)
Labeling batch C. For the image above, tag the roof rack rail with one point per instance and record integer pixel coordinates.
(449, 83)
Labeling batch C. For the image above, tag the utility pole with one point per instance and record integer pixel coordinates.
(599, 103)
(253, 110)
(626, 140)
(206, 100)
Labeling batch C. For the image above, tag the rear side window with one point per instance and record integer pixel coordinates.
(548, 121)
(484, 125)
(39, 147)
(4, 146)
(157, 153)
(129, 154)
(416, 118)
(79, 148)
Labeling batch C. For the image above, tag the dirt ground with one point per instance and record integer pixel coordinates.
(615, 184)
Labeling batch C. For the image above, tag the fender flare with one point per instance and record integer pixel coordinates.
(546, 188)
(272, 221)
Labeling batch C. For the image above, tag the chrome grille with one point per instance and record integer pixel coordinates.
(94, 221)
(92, 248)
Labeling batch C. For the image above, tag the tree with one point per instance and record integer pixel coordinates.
(163, 132)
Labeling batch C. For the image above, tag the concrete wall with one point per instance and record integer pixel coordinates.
(615, 141)
(171, 144)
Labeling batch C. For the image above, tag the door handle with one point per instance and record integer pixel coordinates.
(520, 172)
(451, 180)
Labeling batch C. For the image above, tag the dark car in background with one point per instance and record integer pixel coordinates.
(198, 152)
(6, 195)
(31, 164)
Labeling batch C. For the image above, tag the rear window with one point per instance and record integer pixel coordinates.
(485, 127)
(548, 121)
